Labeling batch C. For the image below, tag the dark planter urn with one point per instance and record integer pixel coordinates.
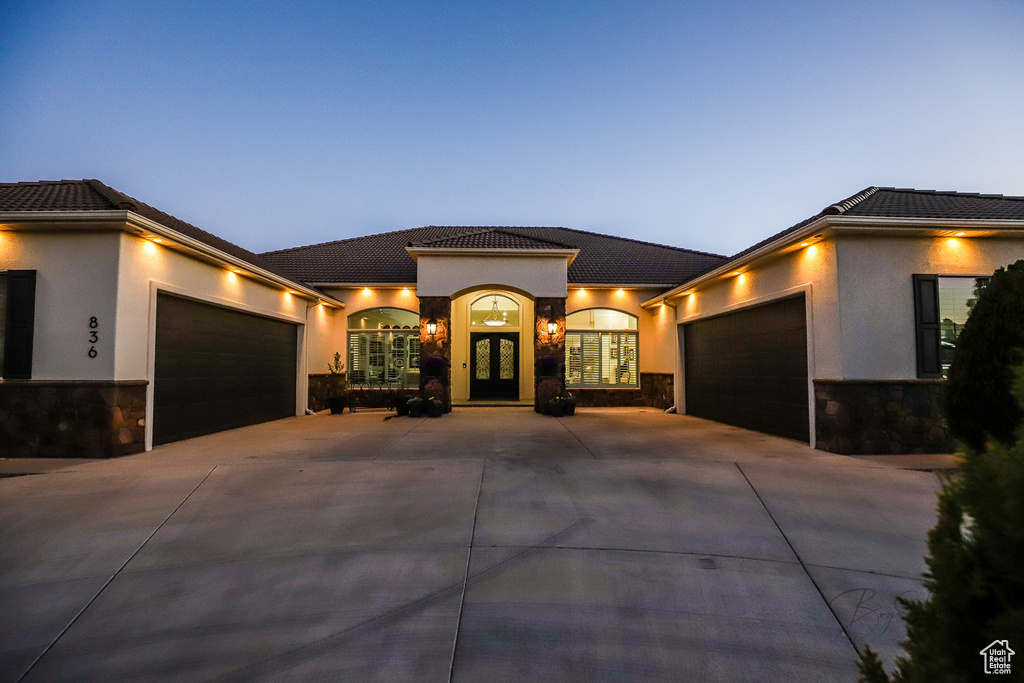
(415, 407)
(337, 404)
(402, 407)
(570, 407)
(435, 408)
(556, 408)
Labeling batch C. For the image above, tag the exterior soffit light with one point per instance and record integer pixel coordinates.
(959, 234)
(735, 272)
(805, 244)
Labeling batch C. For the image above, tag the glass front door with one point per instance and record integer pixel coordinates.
(494, 365)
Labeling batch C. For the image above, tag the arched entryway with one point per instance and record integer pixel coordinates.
(492, 346)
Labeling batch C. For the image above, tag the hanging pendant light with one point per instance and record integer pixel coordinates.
(494, 318)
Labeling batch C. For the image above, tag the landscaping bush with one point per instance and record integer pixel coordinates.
(974, 577)
(979, 405)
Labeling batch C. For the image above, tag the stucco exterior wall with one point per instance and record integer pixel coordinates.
(656, 326)
(356, 299)
(76, 280)
(538, 276)
(876, 296)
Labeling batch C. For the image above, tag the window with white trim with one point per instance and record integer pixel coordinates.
(384, 349)
(601, 349)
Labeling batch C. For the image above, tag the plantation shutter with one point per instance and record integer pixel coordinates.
(21, 309)
(926, 318)
(591, 358)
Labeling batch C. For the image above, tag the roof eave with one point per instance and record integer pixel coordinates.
(844, 224)
(569, 254)
(129, 221)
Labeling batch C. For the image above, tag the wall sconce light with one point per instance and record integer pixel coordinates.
(432, 327)
(552, 327)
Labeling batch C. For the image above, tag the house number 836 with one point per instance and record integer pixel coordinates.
(94, 336)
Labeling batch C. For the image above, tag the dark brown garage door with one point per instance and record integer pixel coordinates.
(218, 369)
(749, 368)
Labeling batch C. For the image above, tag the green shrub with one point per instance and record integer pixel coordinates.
(975, 576)
(978, 401)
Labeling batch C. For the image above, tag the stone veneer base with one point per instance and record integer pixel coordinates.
(886, 417)
(655, 391)
(51, 419)
(323, 386)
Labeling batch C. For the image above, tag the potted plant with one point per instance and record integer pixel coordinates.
(338, 398)
(435, 407)
(337, 404)
(415, 405)
(401, 407)
(568, 402)
(556, 407)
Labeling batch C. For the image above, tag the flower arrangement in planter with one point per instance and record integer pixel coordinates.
(563, 404)
(434, 366)
(548, 366)
(435, 407)
(415, 405)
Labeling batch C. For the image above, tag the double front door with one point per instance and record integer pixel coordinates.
(494, 365)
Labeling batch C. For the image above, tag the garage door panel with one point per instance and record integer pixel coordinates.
(218, 369)
(749, 368)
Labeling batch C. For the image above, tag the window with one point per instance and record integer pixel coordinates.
(3, 317)
(601, 348)
(941, 307)
(494, 310)
(17, 321)
(384, 349)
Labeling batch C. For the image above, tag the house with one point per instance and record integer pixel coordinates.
(126, 327)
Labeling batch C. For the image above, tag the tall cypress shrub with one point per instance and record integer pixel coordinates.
(975, 575)
(979, 405)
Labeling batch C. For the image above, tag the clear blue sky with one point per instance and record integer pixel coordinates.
(704, 125)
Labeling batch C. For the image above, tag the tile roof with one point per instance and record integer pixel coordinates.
(893, 202)
(490, 238)
(92, 195)
(603, 259)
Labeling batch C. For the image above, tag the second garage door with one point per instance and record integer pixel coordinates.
(218, 369)
(749, 368)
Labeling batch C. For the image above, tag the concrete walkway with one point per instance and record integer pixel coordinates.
(491, 544)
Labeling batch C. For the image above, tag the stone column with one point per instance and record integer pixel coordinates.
(547, 345)
(437, 346)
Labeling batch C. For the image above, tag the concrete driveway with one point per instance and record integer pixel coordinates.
(490, 544)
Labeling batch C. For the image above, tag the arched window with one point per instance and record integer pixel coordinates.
(494, 310)
(383, 348)
(601, 349)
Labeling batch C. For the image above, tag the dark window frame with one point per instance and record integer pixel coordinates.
(19, 324)
(928, 322)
